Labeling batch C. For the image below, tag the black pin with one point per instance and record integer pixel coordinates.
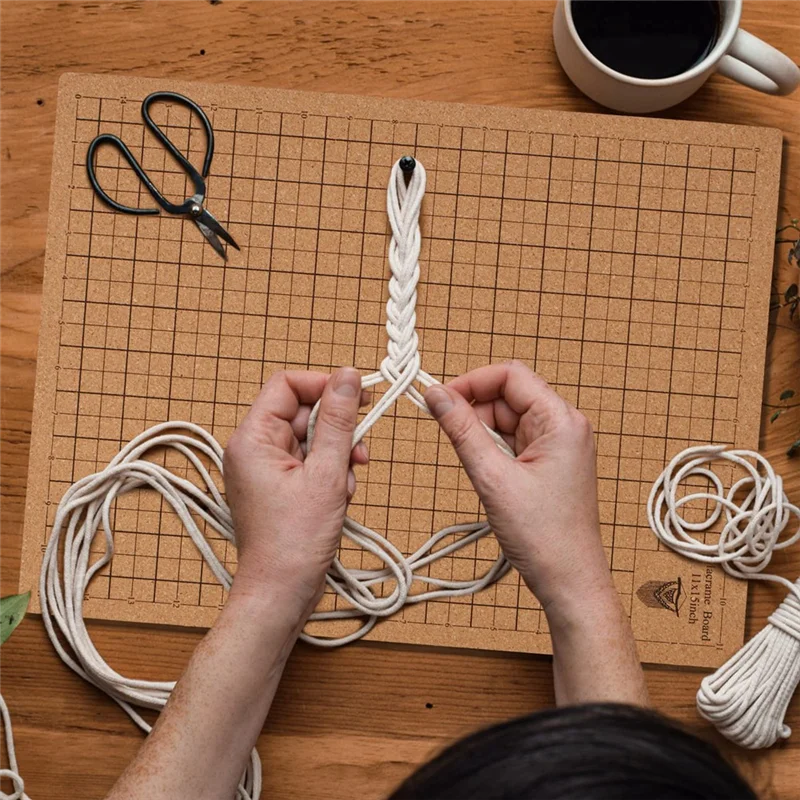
(407, 164)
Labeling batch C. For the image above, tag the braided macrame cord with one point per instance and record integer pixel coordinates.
(401, 368)
(85, 510)
(747, 697)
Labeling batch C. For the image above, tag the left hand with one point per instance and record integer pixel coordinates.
(288, 507)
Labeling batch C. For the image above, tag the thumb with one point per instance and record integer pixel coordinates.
(338, 413)
(475, 447)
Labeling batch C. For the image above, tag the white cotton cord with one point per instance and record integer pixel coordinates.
(747, 697)
(85, 511)
(12, 771)
(401, 369)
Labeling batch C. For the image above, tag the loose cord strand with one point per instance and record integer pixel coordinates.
(747, 697)
(12, 771)
(85, 511)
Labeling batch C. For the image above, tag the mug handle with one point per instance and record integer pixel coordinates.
(759, 65)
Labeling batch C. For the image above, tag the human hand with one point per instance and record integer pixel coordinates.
(288, 507)
(542, 506)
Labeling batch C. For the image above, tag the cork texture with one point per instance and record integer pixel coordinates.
(627, 260)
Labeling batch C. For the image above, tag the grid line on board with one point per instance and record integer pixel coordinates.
(611, 266)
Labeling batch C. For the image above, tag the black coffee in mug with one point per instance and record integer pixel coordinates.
(648, 38)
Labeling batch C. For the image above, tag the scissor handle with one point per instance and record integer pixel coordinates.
(115, 141)
(197, 179)
(162, 137)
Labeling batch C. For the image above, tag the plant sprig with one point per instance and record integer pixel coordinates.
(791, 300)
(12, 610)
(791, 296)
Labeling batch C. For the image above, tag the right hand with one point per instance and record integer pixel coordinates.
(542, 505)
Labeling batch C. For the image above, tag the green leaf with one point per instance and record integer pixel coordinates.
(775, 415)
(786, 394)
(794, 449)
(12, 610)
(791, 291)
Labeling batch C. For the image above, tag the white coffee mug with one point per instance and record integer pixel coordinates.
(736, 54)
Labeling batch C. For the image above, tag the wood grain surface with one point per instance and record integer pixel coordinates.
(351, 722)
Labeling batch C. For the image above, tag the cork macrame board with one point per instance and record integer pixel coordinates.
(627, 260)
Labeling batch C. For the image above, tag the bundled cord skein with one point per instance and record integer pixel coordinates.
(747, 697)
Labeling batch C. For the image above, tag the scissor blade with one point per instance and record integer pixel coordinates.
(210, 221)
(212, 239)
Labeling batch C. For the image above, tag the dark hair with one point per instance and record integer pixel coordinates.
(590, 752)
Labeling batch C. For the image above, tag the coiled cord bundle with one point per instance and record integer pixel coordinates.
(746, 698)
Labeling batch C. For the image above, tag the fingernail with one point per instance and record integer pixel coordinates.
(347, 382)
(361, 448)
(438, 401)
(351, 484)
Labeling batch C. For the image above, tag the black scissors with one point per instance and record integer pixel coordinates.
(192, 207)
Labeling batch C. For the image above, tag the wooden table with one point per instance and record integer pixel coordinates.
(355, 721)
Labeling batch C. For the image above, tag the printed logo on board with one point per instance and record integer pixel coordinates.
(668, 595)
